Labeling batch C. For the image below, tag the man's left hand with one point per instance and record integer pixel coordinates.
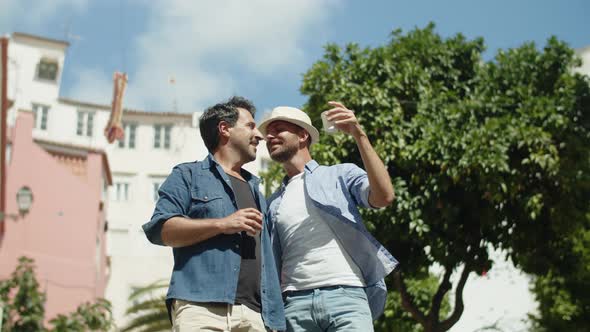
(344, 119)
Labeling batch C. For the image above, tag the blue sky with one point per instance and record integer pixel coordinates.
(258, 49)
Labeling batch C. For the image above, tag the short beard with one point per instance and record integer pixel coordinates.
(284, 155)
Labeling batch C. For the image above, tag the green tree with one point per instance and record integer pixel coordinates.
(563, 292)
(148, 311)
(24, 306)
(481, 153)
(396, 319)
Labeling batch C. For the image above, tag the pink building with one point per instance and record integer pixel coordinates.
(64, 230)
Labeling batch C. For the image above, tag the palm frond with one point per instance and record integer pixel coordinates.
(154, 303)
(139, 292)
(149, 313)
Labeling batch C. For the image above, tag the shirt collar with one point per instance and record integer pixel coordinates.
(309, 167)
(210, 162)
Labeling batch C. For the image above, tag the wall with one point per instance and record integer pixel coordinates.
(63, 227)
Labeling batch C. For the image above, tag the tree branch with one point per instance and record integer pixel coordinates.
(407, 302)
(443, 288)
(459, 306)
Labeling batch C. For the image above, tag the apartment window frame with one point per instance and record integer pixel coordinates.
(128, 142)
(40, 123)
(85, 123)
(156, 181)
(155, 188)
(162, 136)
(122, 191)
(47, 69)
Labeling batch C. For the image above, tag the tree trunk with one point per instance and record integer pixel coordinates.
(431, 322)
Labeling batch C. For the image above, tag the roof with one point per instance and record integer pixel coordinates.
(39, 38)
(76, 150)
(125, 110)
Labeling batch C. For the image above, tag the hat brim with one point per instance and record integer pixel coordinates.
(313, 132)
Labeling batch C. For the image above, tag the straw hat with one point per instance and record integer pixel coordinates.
(294, 116)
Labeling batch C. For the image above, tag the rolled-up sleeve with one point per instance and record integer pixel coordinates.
(173, 201)
(357, 181)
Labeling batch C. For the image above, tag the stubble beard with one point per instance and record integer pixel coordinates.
(245, 152)
(248, 155)
(284, 153)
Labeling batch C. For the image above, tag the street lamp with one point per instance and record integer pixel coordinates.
(24, 200)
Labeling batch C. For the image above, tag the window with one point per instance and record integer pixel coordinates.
(97, 257)
(47, 69)
(162, 136)
(121, 191)
(129, 139)
(85, 123)
(155, 188)
(40, 113)
(105, 189)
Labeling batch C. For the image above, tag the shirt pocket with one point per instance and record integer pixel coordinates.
(204, 205)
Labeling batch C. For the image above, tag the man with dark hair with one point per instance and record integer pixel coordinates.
(213, 216)
(331, 268)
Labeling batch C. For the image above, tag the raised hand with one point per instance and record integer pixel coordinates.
(344, 119)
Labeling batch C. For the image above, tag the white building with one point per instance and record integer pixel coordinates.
(584, 54)
(154, 142)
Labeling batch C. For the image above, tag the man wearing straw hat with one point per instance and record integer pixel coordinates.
(331, 268)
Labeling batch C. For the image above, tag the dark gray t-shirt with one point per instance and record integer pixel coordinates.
(248, 292)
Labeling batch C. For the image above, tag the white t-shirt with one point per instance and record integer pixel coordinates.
(312, 255)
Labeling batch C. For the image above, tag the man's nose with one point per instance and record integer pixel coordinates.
(258, 134)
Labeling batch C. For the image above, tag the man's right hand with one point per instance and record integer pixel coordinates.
(247, 220)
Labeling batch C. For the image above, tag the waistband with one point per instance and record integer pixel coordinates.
(311, 290)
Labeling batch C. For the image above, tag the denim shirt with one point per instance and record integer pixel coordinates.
(208, 271)
(338, 191)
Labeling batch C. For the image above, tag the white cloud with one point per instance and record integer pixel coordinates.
(92, 85)
(204, 45)
(32, 14)
(211, 49)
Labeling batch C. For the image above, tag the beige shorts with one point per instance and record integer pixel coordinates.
(191, 316)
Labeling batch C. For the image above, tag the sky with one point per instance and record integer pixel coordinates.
(185, 55)
(260, 49)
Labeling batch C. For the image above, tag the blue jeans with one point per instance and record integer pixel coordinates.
(328, 309)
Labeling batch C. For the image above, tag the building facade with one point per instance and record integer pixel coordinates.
(64, 230)
(154, 142)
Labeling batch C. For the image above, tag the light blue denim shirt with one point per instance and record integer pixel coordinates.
(338, 191)
(208, 271)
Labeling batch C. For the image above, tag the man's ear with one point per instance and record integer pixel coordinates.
(223, 128)
(303, 136)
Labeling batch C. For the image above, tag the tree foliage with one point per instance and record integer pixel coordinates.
(148, 310)
(481, 153)
(24, 306)
(563, 292)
